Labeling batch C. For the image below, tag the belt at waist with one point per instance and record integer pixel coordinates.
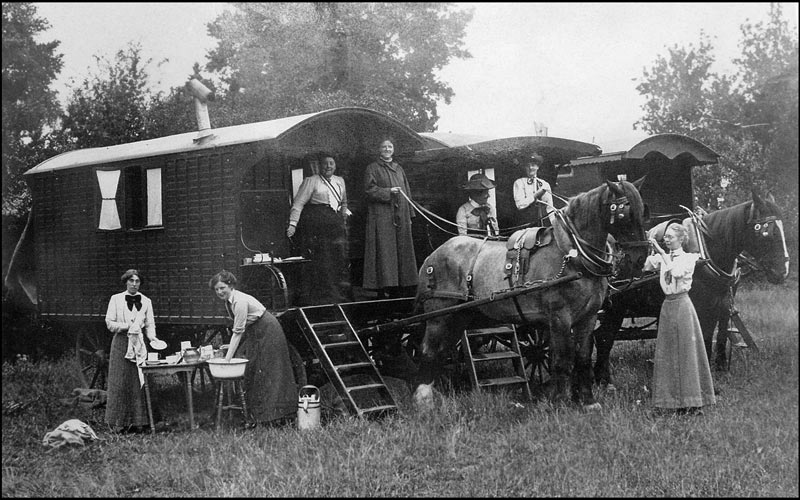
(676, 296)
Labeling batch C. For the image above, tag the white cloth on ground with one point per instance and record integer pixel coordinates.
(72, 431)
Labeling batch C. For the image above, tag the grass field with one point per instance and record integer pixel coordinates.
(471, 445)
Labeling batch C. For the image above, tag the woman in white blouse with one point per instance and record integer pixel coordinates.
(269, 384)
(319, 214)
(129, 317)
(681, 374)
(532, 196)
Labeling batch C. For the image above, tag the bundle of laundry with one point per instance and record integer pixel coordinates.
(70, 432)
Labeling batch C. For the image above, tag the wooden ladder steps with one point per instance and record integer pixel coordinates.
(348, 343)
(345, 360)
(514, 355)
(494, 382)
(364, 387)
(492, 356)
(379, 409)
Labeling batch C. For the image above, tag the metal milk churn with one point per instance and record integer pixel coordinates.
(308, 408)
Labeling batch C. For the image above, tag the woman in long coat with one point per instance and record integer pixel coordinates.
(389, 261)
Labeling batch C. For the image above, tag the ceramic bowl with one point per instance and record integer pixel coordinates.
(222, 368)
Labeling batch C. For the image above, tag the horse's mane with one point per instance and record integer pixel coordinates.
(584, 208)
(725, 225)
(728, 226)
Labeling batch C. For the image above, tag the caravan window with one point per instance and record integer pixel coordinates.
(137, 205)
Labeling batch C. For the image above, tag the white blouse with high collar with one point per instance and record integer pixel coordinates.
(680, 264)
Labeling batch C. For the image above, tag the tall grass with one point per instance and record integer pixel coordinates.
(472, 444)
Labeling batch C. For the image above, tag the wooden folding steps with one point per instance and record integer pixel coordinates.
(506, 335)
(740, 333)
(345, 361)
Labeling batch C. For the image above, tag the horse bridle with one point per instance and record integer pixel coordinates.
(765, 227)
(620, 209)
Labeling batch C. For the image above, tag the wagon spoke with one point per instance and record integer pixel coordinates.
(91, 350)
(536, 351)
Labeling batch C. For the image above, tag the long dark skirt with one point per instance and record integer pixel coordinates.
(324, 239)
(126, 404)
(681, 374)
(269, 385)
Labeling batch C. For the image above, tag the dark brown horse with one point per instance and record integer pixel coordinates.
(753, 227)
(470, 268)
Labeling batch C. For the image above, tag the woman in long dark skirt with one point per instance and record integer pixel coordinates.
(269, 384)
(129, 316)
(320, 213)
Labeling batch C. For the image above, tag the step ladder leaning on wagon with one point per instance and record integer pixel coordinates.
(522, 241)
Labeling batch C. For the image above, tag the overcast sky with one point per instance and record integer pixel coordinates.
(571, 66)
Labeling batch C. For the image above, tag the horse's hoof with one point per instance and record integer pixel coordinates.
(594, 407)
(423, 397)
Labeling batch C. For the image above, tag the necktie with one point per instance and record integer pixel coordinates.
(134, 300)
(229, 309)
(482, 212)
(668, 274)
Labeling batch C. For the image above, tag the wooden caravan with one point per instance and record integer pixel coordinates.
(443, 170)
(182, 207)
(666, 159)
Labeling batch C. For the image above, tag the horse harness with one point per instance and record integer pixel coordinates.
(715, 273)
(520, 247)
(523, 243)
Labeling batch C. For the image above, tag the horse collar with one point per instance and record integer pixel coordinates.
(470, 291)
(589, 258)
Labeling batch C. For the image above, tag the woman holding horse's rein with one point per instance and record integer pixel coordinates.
(390, 265)
(533, 197)
(681, 375)
(320, 211)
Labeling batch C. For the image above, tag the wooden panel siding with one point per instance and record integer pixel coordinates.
(78, 266)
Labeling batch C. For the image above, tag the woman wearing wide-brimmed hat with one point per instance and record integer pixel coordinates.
(477, 216)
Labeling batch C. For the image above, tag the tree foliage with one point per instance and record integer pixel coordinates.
(282, 59)
(112, 105)
(29, 105)
(749, 117)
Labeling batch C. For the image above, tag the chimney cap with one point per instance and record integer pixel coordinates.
(199, 91)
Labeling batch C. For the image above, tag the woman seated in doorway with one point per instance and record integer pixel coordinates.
(478, 216)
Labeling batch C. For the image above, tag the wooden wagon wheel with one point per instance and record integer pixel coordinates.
(298, 366)
(92, 348)
(535, 348)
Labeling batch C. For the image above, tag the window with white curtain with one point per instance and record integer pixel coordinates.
(153, 197)
(109, 214)
(137, 205)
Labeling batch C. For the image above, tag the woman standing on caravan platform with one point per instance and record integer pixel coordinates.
(390, 265)
(320, 213)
